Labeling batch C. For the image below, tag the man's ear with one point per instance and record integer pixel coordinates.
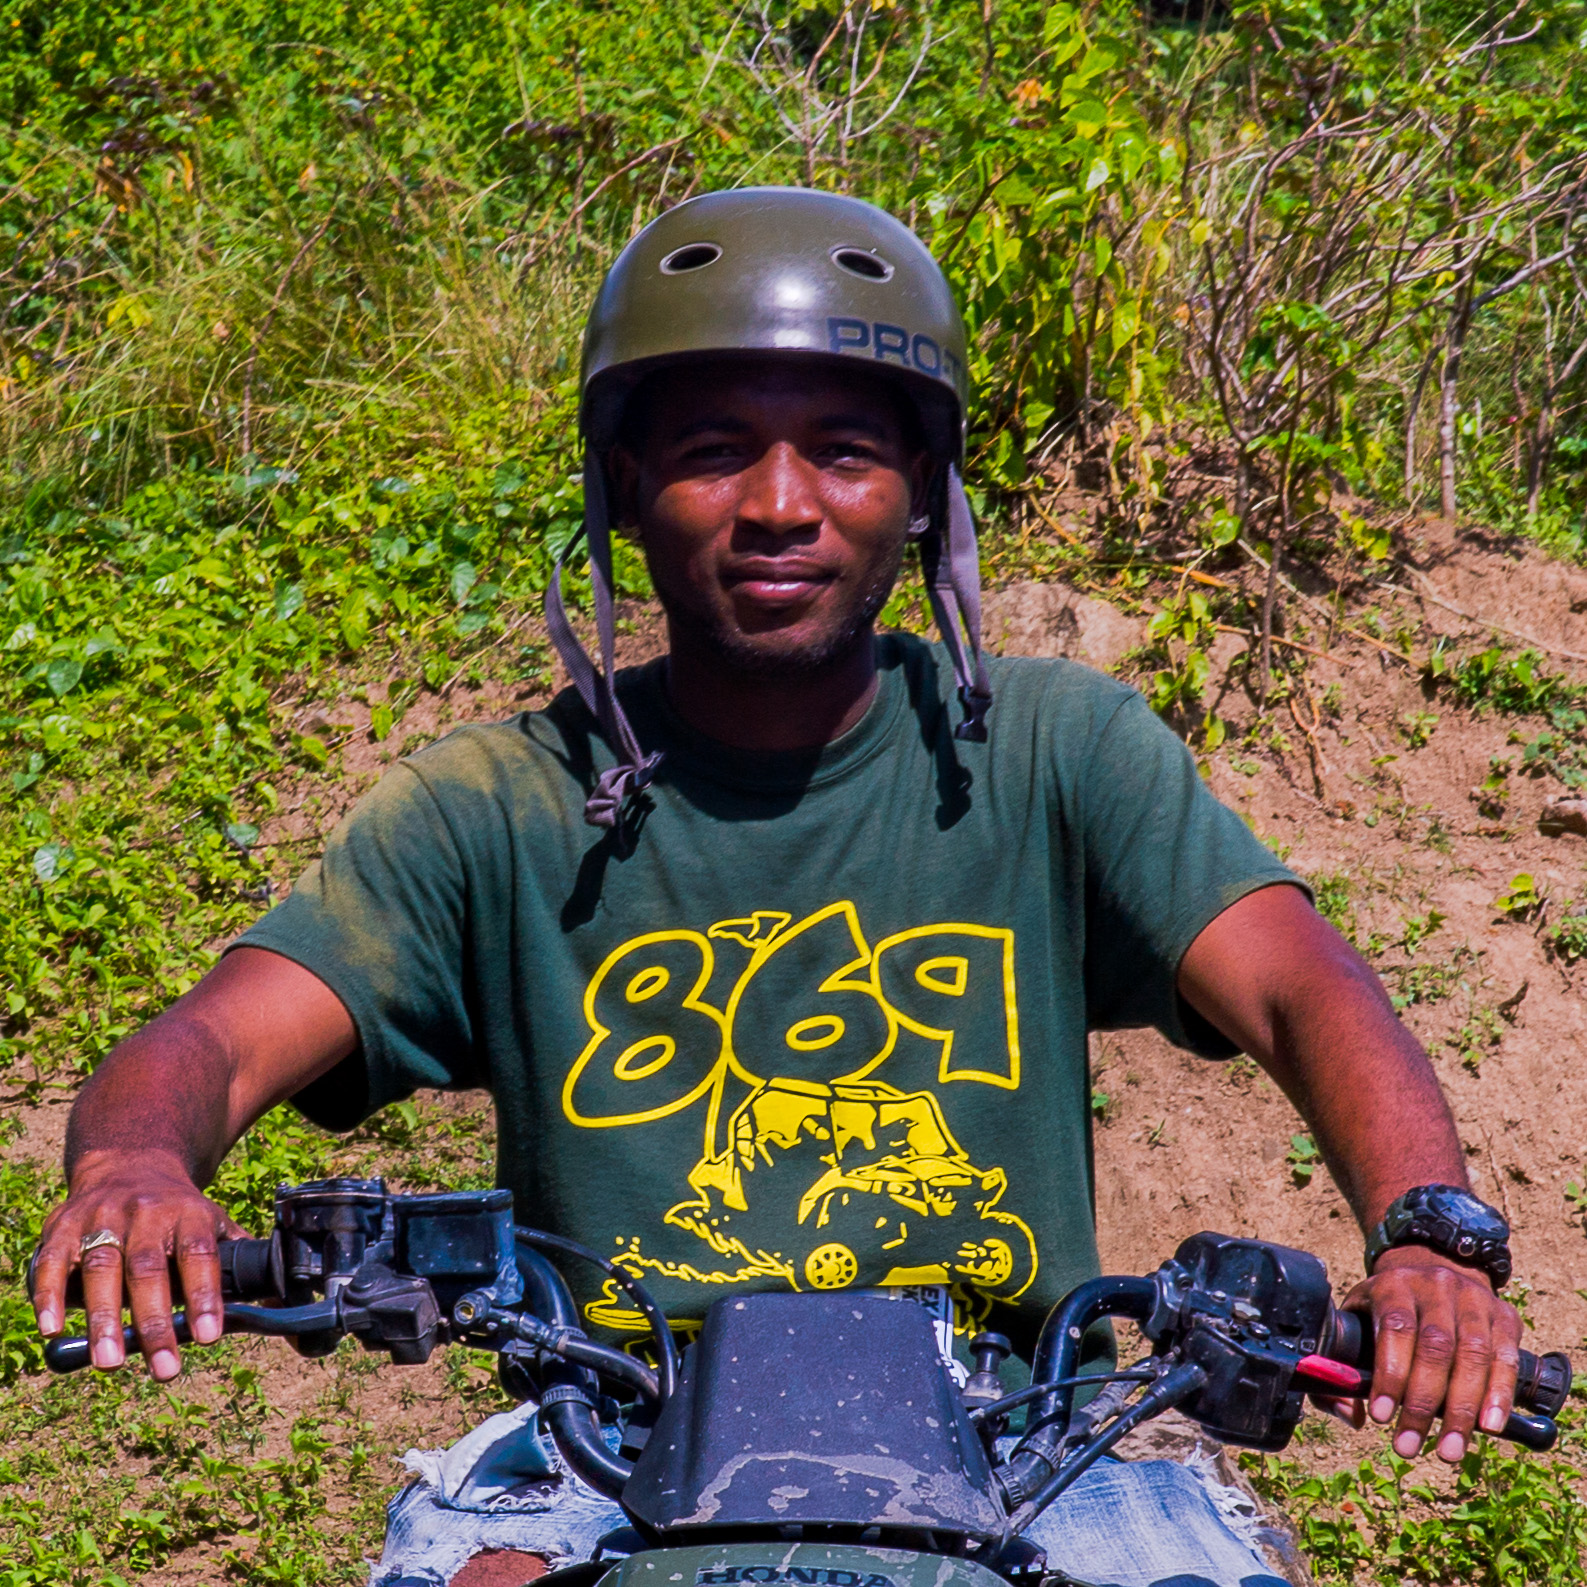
(922, 476)
(622, 470)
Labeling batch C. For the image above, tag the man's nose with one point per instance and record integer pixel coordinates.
(779, 492)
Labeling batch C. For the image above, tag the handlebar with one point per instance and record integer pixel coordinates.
(402, 1274)
(71, 1354)
(1343, 1368)
(1542, 1382)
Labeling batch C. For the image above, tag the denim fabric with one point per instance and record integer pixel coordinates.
(1148, 1523)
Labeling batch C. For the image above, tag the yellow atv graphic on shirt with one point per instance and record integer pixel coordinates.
(809, 1168)
(877, 1180)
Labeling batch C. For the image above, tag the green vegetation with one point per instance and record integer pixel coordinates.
(1303, 1159)
(1567, 938)
(1517, 683)
(1511, 1521)
(1523, 899)
(289, 310)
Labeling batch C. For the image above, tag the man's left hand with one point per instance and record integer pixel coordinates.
(1445, 1342)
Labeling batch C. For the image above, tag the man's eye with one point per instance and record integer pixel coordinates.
(849, 451)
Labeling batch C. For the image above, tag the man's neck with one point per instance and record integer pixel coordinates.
(800, 710)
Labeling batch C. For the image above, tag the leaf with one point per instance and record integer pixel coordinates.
(242, 833)
(311, 750)
(257, 478)
(62, 675)
(288, 601)
(128, 307)
(464, 577)
(355, 617)
(58, 731)
(1223, 529)
(380, 722)
(50, 860)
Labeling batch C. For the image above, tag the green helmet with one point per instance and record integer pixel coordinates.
(778, 270)
(793, 273)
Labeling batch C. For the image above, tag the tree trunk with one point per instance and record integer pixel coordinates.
(1537, 457)
(1448, 409)
(1411, 492)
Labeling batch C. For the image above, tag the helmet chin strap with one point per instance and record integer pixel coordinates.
(953, 586)
(634, 770)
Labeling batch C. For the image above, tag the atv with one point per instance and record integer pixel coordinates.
(816, 1439)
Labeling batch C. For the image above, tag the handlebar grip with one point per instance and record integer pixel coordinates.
(1542, 1383)
(1531, 1432)
(67, 1355)
(71, 1354)
(249, 1270)
(281, 1322)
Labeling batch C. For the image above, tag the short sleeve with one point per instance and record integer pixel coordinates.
(1163, 859)
(379, 918)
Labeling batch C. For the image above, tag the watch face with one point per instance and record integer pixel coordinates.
(1470, 1216)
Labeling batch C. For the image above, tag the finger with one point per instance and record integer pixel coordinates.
(1500, 1398)
(1468, 1381)
(148, 1267)
(57, 1256)
(102, 1301)
(1393, 1309)
(1353, 1413)
(1437, 1334)
(198, 1261)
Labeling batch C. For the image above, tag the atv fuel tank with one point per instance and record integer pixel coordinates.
(796, 1565)
(814, 1410)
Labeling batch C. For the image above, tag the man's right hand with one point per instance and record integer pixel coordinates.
(152, 1124)
(148, 1202)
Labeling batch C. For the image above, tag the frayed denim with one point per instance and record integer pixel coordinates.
(1145, 1523)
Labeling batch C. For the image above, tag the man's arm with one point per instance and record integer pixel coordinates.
(151, 1127)
(1279, 981)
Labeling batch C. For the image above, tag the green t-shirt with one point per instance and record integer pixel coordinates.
(826, 1024)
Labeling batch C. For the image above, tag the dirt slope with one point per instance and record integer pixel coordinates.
(1189, 1144)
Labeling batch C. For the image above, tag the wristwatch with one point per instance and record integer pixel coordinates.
(1450, 1221)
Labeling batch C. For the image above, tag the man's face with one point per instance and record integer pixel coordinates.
(773, 502)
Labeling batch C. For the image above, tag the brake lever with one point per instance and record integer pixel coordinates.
(72, 1354)
(1332, 1379)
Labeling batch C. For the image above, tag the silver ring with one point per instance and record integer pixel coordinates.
(92, 1242)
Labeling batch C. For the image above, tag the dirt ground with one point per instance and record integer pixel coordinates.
(1184, 1144)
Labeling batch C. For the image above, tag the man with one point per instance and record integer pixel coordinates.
(779, 960)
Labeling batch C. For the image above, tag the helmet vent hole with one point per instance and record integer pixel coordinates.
(860, 262)
(692, 256)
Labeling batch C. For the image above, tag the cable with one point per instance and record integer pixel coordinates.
(1035, 1391)
(667, 1361)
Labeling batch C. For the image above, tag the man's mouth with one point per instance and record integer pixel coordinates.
(775, 584)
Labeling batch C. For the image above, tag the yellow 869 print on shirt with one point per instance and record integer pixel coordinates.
(822, 1070)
